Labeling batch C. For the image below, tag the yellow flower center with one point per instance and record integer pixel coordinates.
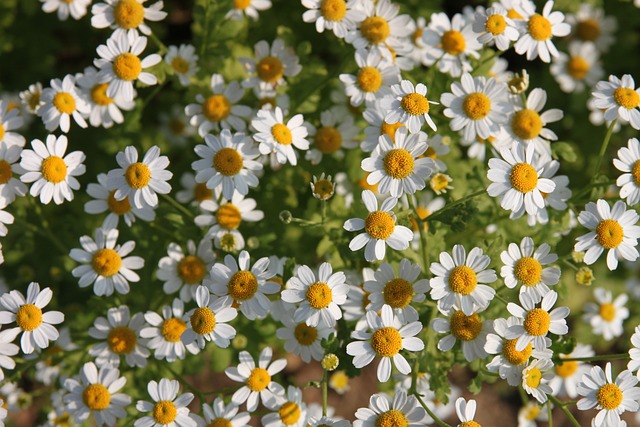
(333, 10)
(258, 380)
(54, 169)
(513, 14)
(242, 285)
(465, 328)
(469, 424)
(578, 67)
(281, 134)
(392, 418)
(99, 94)
(609, 233)
(588, 30)
(5, 169)
(323, 189)
(495, 25)
(415, 104)
(523, 177)
(607, 312)
(476, 105)
(137, 175)
(62, 420)
(369, 79)
(453, 42)
(379, 225)
(229, 216)
(386, 342)
(180, 65)
(422, 214)
(128, 14)
(270, 69)
(635, 172)
(241, 4)
(216, 108)
(390, 130)
(398, 293)
(439, 182)
(122, 340)
(106, 262)
(539, 27)
(362, 183)
(534, 376)
(220, 422)
(118, 207)
(228, 161)
(375, 29)
(172, 329)
(28, 317)
(339, 380)
(304, 334)
(201, 192)
(289, 413)
(1, 132)
(96, 397)
(64, 102)
(609, 396)
(626, 97)
(528, 271)
(328, 140)
(463, 280)
(191, 269)
(319, 295)
(33, 100)
(537, 322)
(532, 412)
(398, 163)
(164, 412)
(513, 356)
(566, 369)
(203, 321)
(127, 66)
(526, 124)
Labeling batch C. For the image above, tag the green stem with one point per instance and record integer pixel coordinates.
(437, 420)
(604, 357)
(423, 240)
(603, 149)
(550, 415)
(325, 380)
(564, 409)
(162, 48)
(178, 206)
(323, 211)
(452, 205)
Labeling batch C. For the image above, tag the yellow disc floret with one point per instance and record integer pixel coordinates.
(469, 424)
(216, 108)
(191, 269)
(635, 172)
(289, 413)
(99, 94)
(118, 207)
(539, 27)
(626, 97)
(528, 270)
(609, 233)
(203, 321)
(578, 67)
(305, 334)
(241, 4)
(128, 14)
(228, 161)
(513, 356)
(319, 295)
(29, 317)
(523, 177)
(281, 134)
(609, 396)
(333, 10)
(465, 328)
(379, 225)
(137, 175)
(398, 163)
(390, 129)
(220, 422)
(201, 192)
(258, 380)
(392, 418)
(375, 29)
(164, 412)
(453, 42)
(533, 377)
(398, 293)
(369, 79)
(496, 24)
(96, 397)
(229, 216)
(588, 30)
(386, 342)
(270, 69)
(106, 262)
(415, 104)
(122, 340)
(537, 322)
(526, 124)
(607, 312)
(127, 66)
(172, 329)
(64, 102)
(243, 285)
(566, 369)
(463, 280)
(54, 169)
(5, 169)
(180, 65)
(476, 105)
(328, 140)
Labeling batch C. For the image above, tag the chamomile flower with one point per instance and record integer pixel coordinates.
(274, 136)
(466, 411)
(537, 322)
(174, 125)
(139, 182)
(220, 109)
(396, 166)
(612, 229)
(339, 16)
(322, 188)
(249, 8)
(470, 330)
(8, 349)
(76, 8)
(373, 80)
(183, 62)
(380, 229)
(208, 322)
(185, 271)
(164, 332)
(408, 106)
(288, 410)
(590, 24)
(303, 340)
(60, 102)
(579, 69)
(227, 161)
(105, 264)
(194, 193)
(536, 377)
(634, 351)
(619, 98)
(218, 413)
(126, 17)
(607, 315)
(258, 384)
(402, 410)
(31, 97)
(120, 66)
(628, 161)
(10, 120)
(568, 374)
(121, 335)
(95, 393)
(478, 106)
(337, 132)
(228, 216)
(538, 30)
(385, 339)
(610, 397)
(271, 65)
(494, 26)
(105, 111)
(10, 186)
(169, 409)
(524, 264)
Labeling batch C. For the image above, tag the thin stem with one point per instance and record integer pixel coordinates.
(603, 149)
(452, 205)
(323, 211)
(564, 409)
(604, 357)
(423, 240)
(550, 415)
(324, 382)
(437, 420)
(178, 206)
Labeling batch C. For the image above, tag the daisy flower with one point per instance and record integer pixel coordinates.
(220, 109)
(634, 351)
(257, 380)
(95, 393)
(227, 162)
(536, 377)
(10, 186)
(408, 106)
(397, 166)
(373, 80)
(174, 125)
(8, 349)
(208, 322)
(611, 229)
(274, 136)
(339, 16)
(461, 280)
(140, 181)
(495, 27)
(380, 229)
(397, 291)
(385, 339)
(120, 66)
(238, 284)
(105, 264)
(538, 30)
(579, 69)
(322, 188)
(104, 201)
(537, 322)
(121, 335)
(185, 271)
(610, 397)
(607, 316)
(590, 24)
(374, 115)
(60, 102)
(10, 120)
(478, 106)
(524, 264)
(470, 330)
(219, 413)
(516, 179)
(466, 411)
(451, 43)
(31, 97)
(105, 111)
(339, 382)
(619, 98)
(336, 132)
(569, 374)
(194, 193)
(628, 161)
(126, 17)
(249, 8)
(169, 409)
(401, 410)
(183, 62)
(290, 410)
(271, 65)
(164, 332)
(228, 216)
(76, 8)
(303, 340)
